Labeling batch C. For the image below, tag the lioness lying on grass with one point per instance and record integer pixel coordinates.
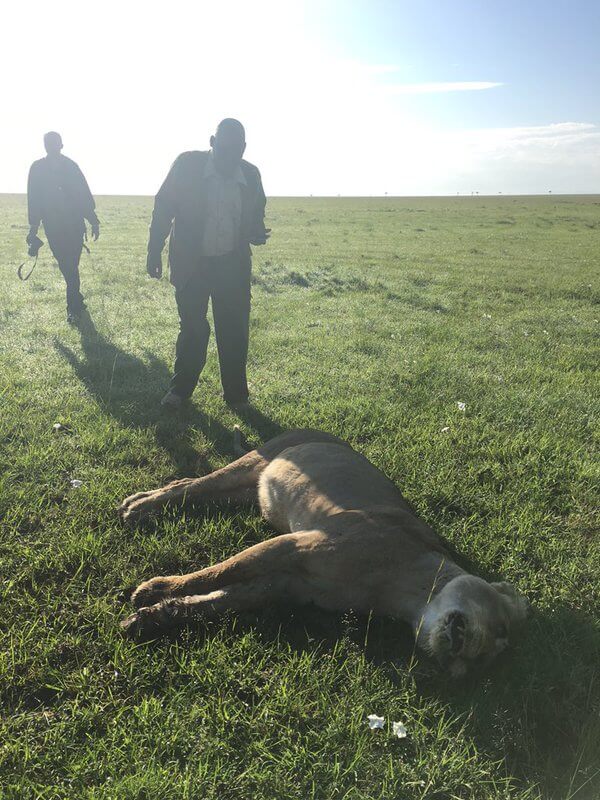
(348, 540)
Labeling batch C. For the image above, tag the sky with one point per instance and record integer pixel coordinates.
(348, 97)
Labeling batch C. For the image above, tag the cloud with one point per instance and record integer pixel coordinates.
(414, 160)
(558, 142)
(562, 156)
(441, 86)
(556, 131)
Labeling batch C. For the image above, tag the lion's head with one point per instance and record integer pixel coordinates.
(469, 622)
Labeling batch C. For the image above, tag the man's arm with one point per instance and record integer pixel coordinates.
(163, 213)
(87, 202)
(162, 218)
(260, 234)
(34, 207)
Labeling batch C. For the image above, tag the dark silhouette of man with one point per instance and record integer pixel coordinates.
(59, 197)
(213, 205)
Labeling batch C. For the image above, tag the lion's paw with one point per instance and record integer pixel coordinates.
(142, 625)
(138, 506)
(151, 592)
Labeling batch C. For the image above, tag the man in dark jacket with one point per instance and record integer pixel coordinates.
(213, 205)
(58, 196)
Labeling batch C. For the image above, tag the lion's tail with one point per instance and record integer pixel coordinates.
(239, 442)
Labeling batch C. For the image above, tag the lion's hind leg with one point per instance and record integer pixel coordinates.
(237, 482)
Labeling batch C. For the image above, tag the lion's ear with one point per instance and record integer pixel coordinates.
(517, 605)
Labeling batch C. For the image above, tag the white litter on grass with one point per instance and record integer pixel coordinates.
(375, 721)
(399, 730)
(461, 406)
(487, 316)
(58, 427)
(76, 484)
(446, 429)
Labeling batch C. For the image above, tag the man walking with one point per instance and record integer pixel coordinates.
(58, 196)
(213, 205)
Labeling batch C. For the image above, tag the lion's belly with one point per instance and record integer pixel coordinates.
(287, 500)
(309, 482)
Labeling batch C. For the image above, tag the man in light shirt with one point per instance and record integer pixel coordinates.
(212, 204)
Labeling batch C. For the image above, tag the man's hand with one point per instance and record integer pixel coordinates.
(95, 230)
(261, 238)
(33, 242)
(154, 265)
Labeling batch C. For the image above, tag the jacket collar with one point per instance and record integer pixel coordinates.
(210, 171)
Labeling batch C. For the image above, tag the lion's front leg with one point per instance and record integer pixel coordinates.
(155, 620)
(263, 561)
(262, 573)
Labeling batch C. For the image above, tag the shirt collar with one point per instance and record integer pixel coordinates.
(210, 171)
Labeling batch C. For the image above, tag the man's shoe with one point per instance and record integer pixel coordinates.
(171, 400)
(238, 405)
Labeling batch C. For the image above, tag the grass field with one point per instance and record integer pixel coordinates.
(372, 319)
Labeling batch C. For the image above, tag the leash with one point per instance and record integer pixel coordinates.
(20, 270)
(34, 246)
(36, 253)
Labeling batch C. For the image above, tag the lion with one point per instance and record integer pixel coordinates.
(348, 540)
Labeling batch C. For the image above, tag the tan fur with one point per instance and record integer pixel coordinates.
(348, 540)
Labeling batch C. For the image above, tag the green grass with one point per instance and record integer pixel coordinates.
(372, 319)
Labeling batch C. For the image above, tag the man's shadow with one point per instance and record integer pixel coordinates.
(130, 389)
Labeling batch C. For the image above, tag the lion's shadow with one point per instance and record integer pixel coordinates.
(512, 709)
(509, 711)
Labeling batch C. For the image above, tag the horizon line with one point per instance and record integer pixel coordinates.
(385, 196)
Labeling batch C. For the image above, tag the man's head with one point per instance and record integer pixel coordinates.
(53, 143)
(228, 145)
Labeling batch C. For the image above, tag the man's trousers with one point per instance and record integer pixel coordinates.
(66, 246)
(225, 280)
